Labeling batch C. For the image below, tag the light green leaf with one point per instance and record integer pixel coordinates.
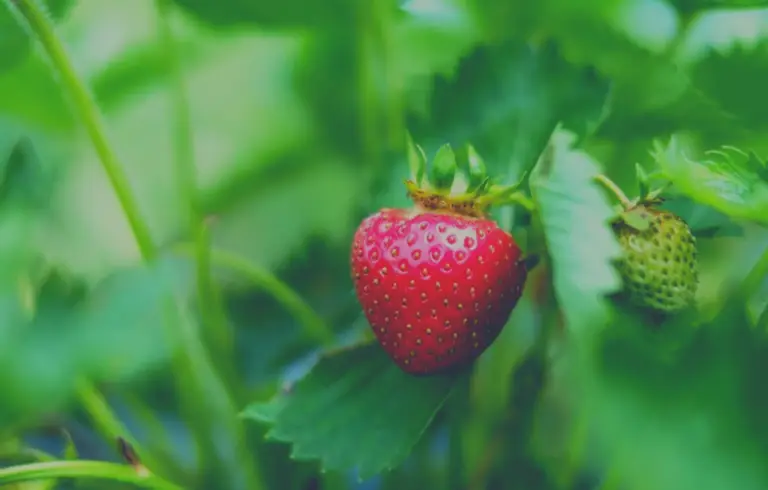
(575, 214)
(729, 180)
(355, 410)
(430, 38)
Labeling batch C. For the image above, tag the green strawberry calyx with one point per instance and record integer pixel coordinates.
(636, 213)
(472, 194)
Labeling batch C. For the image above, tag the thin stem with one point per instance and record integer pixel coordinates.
(215, 330)
(186, 172)
(89, 112)
(614, 189)
(519, 199)
(106, 422)
(98, 470)
(29, 453)
(314, 326)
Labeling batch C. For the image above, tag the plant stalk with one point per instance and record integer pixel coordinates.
(85, 106)
(614, 189)
(98, 470)
(196, 361)
(313, 325)
(219, 337)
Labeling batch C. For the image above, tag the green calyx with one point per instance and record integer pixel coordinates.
(445, 187)
(634, 212)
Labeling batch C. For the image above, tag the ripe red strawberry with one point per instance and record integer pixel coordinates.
(436, 287)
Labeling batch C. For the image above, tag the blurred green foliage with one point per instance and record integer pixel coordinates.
(255, 136)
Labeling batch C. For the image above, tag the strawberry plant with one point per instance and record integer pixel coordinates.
(461, 244)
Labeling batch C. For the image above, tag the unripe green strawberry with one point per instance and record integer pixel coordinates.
(659, 266)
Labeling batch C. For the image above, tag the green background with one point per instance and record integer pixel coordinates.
(255, 136)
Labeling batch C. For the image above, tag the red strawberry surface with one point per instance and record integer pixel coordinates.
(436, 288)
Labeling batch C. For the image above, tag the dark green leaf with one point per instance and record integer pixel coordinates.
(735, 78)
(355, 410)
(506, 100)
(24, 180)
(58, 9)
(14, 41)
(691, 6)
(671, 397)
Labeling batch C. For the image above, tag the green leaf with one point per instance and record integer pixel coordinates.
(478, 173)
(24, 180)
(58, 9)
(431, 38)
(575, 216)
(114, 336)
(293, 13)
(15, 43)
(70, 449)
(652, 402)
(507, 100)
(729, 180)
(443, 169)
(14, 40)
(355, 410)
(643, 180)
(704, 221)
(735, 78)
(417, 161)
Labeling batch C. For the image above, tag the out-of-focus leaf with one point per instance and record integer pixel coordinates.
(15, 42)
(23, 179)
(691, 6)
(59, 8)
(677, 410)
(25, 188)
(736, 80)
(291, 14)
(431, 37)
(703, 220)
(241, 138)
(327, 193)
(506, 100)
(355, 410)
(575, 216)
(139, 68)
(729, 180)
(114, 336)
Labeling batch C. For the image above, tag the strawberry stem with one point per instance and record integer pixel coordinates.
(517, 198)
(614, 189)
